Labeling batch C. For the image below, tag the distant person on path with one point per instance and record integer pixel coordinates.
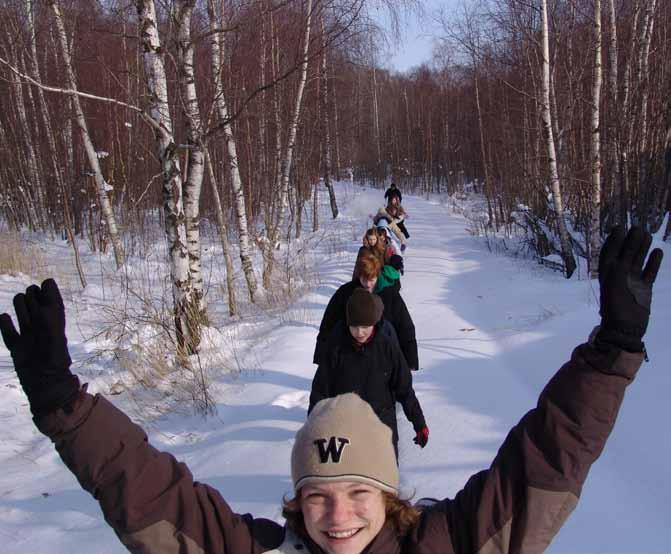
(367, 271)
(344, 476)
(393, 190)
(393, 215)
(362, 356)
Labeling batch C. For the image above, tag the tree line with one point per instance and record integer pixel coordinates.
(117, 114)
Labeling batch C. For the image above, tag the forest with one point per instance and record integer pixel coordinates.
(122, 117)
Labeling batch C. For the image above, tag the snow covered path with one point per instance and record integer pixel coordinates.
(491, 331)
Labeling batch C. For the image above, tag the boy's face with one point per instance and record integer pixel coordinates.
(361, 333)
(342, 518)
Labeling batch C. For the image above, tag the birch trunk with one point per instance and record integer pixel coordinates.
(217, 56)
(565, 244)
(492, 220)
(186, 327)
(643, 77)
(195, 156)
(628, 117)
(295, 117)
(616, 178)
(326, 137)
(272, 210)
(286, 159)
(89, 148)
(53, 152)
(376, 121)
(336, 132)
(33, 182)
(595, 220)
(223, 236)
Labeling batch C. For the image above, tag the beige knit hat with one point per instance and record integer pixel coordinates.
(344, 440)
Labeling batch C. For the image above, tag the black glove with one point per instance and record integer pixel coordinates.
(40, 350)
(396, 262)
(626, 287)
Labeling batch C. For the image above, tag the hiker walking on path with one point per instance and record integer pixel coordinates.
(343, 471)
(368, 270)
(362, 356)
(392, 215)
(393, 190)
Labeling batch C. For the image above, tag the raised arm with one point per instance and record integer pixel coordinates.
(148, 497)
(522, 500)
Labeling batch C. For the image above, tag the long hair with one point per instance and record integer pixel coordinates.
(399, 511)
(378, 249)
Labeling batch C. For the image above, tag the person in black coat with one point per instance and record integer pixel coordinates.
(367, 271)
(393, 191)
(362, 356)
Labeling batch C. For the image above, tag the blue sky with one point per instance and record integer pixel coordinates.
(417, 38)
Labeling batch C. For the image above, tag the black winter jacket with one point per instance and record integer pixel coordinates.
(393, 192)
(395, 311)
(376, 371)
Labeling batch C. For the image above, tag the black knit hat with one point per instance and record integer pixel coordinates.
(363, 308)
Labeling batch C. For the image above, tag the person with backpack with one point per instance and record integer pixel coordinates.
(344, 477)
(363, 356)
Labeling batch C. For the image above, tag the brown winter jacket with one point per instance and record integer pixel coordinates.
(517, 505)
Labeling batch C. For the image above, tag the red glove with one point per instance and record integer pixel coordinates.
(422, 437)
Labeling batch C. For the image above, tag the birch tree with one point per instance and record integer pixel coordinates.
(565, 243)
(595, 224)
(187, 327)
(195, 156)
(295, 117)
(614, 157)
(217, 47)
(326, 137)
(91, 152)
(287, 157)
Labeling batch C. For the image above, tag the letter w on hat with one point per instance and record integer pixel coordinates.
(331, 451)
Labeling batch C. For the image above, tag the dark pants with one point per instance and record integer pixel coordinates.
(401, 226)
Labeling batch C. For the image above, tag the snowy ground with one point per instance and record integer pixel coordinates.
(491, 331)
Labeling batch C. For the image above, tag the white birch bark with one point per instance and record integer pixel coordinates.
(89, 148)
(615, 109)
(565, 244)
(217, 56)
(196, 158)
(295, 117)
(326, 137)
(187, 327)
(53, 152)
(223, 237)
(628, 116)
(33, 187)
(643, 72)
(376, 120)
(595, 208)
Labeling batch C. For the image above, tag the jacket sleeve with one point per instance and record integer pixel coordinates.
(332, 314)
(405, 329)
(148, 497)
(320, 383)
(404, 392)
(533, 485)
